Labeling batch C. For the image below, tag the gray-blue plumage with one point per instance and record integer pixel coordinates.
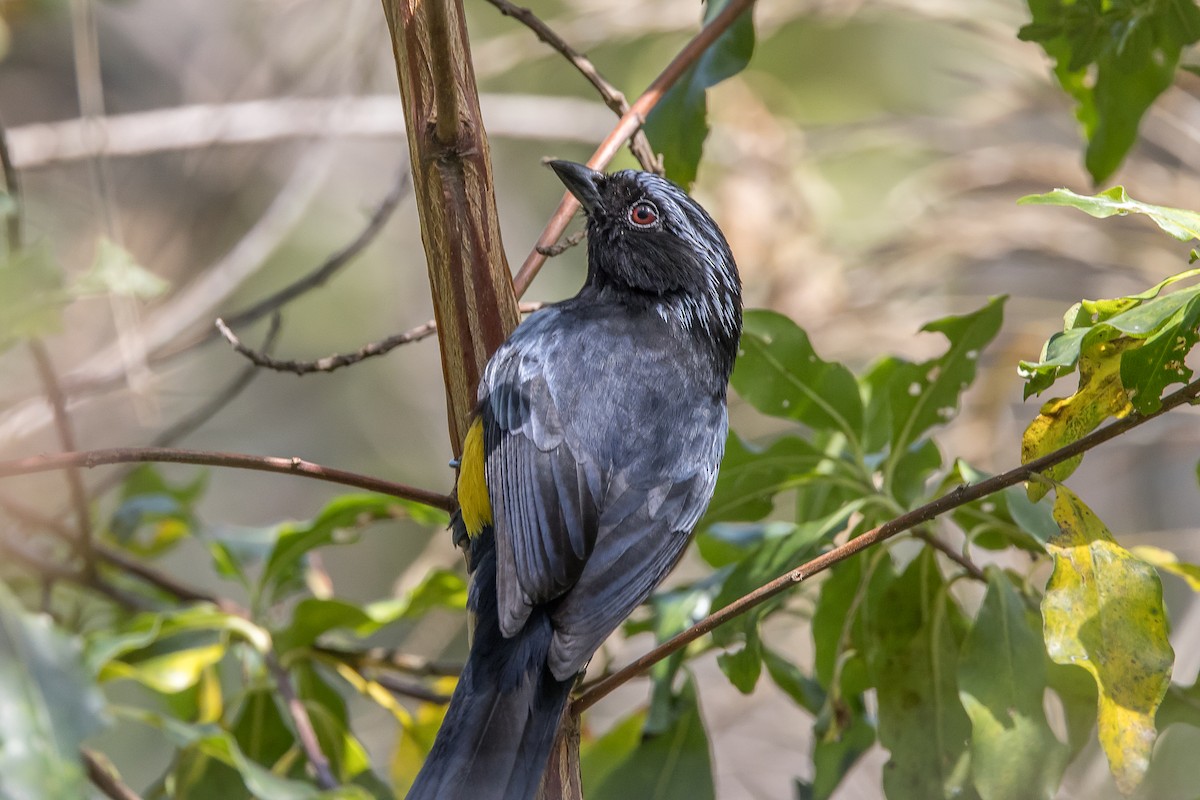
(604, 422)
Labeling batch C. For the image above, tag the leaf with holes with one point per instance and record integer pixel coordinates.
(780, 374)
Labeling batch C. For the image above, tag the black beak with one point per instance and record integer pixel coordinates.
(581, 181)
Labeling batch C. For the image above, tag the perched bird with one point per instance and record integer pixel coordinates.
(600, 426)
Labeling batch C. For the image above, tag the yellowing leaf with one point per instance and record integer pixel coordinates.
(1103, 611)
(1065, 420)
(417, 732)
(1166, 560)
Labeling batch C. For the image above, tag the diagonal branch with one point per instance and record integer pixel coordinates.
(962, 495)
(166, 455)
(631, 121)
(613, 98)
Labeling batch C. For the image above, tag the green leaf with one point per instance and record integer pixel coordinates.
(750, 478)
(1114, 58)
(260, 729)
(841, 740)
(115, 271)
(314, 617)
(1103, 611)
(1182, 224)
(293, 540)
(744, 665)
(31, 295)
(1003, 519)
(672, 764)
(218, 744)
(1181, 706)
(803, 689)
(49, 704)
(1002, 680)
(678, 125)
(927, 394)
(598, 759)
(169, 651)
(780, 374)
(154, 515)
(916, 630)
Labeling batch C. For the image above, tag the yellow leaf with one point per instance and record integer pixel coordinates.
(1065, 420)
(416, 739)
(1166, 560)
(1103, 611)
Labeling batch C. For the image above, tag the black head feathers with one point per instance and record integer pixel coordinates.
(652, 242)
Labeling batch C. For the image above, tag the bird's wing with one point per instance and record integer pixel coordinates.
(597, 468)
(643, 532)
(544, 496)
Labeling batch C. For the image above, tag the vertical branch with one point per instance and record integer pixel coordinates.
(473, 298)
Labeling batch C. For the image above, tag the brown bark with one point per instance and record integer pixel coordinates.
(469, 278)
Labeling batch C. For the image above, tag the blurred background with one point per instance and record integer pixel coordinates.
(865, 168)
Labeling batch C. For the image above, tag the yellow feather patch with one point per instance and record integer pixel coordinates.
(472, 483)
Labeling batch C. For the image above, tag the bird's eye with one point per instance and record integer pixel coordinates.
(643, 214)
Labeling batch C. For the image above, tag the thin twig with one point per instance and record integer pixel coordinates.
(50, 570)
(417, 691)
(328, 363)
(962, 495)
(379, 658)
(66, 438)
(166, 455)
(563, 246)
(333, 362)
(12, 185)
(631, 121)
(613, 98)
(304, 727)
(949, 552)
(218, 401)
(319, 276)
(104, 777)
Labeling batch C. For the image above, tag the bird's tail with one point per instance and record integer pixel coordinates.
(498, 731)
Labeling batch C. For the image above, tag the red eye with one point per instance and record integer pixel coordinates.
(643, 214)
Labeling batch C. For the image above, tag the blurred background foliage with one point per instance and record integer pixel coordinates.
(865, 166)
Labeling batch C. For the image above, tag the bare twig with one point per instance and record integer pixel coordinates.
(52, 571)
(949, 552)
(336, 361)
(105, 778)
(304, 727)
(958, 497)
(202, 126)
(630, 122)
(314, 279)
(328, 363)
(613, 98)
(417, 691)
(294, 465)
(66, 437)
(379, 658)
(12, 185)
(563, 246)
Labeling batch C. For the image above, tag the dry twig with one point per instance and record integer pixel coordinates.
(639, 145)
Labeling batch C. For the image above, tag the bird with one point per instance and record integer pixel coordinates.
(592, 455)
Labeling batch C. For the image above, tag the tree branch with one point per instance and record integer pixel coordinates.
(613, 98)
(104, 777)
(630, 123)
(293, 465)
(958, 497)
(304, 727)
(338, 360)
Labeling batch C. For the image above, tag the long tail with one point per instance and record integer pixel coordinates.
(500, 726)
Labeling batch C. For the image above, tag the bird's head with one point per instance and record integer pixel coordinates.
(650, 241)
